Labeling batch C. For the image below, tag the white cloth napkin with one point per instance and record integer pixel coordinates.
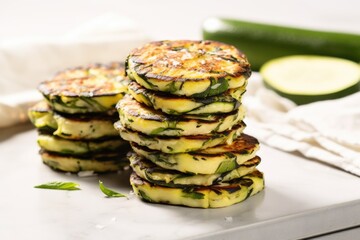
(24, 63)
(327, 131)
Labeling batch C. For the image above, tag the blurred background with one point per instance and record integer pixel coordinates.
(163, 19)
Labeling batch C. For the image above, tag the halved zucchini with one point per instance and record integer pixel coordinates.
(218, 159)
(180, 144)
(307, 78)
(176, 105)
(92, 92)
(215, 196)
(138, 117)
(171, 178)
(80, 147)
(72, 126)
(188, 68)
(96, 163)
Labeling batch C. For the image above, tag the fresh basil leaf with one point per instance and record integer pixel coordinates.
(59, 186)
(108, 192)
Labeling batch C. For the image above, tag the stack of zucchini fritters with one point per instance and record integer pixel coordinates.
(183, 119)
(75, 121)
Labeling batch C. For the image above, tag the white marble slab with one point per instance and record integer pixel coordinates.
(302, 198)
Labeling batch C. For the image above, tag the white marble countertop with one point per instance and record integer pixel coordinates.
(302, 198)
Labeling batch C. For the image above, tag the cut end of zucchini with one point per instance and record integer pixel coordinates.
(309, 78)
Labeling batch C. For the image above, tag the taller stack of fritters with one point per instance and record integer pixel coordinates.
(183, 118)
(75, 121)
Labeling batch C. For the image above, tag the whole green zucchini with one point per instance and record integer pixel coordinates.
(263, 42)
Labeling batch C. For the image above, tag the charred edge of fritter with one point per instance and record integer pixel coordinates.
(50, 93)
(99, 156)
(109, 116)
(243, 143)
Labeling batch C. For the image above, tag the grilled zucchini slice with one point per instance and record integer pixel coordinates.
(176, 105)
(188, 68)
(215, 196)
(138, 117)
(93, 92)
(42, 117)
(218, 159)
(170, 178)
(180, 144)
(80, 147)
(97, 163)
(72, 126)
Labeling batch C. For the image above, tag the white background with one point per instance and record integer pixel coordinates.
(165, 19)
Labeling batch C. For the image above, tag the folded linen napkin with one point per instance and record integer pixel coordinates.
(25, 63)
(328, 131)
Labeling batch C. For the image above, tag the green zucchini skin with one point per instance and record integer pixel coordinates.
(263, 42)
(305, 99)
(215, 196)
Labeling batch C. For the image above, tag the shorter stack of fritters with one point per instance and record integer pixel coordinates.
(75, 120)
(183, 117)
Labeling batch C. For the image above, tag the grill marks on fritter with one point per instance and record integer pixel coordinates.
(184, 60)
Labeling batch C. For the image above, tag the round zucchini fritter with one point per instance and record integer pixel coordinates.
(180, 144)
(81, 147)
(170, 178)
(215, 196)
(92, 89)
(218, 159)
(188, 68)
(177, 105)
(67, 126)
(96, 163)
(139, 117)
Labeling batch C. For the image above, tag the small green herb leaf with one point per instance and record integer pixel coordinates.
(59, 186)
(108, 192)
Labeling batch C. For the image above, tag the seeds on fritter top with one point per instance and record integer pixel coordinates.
(190, 68)
(92, 90)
